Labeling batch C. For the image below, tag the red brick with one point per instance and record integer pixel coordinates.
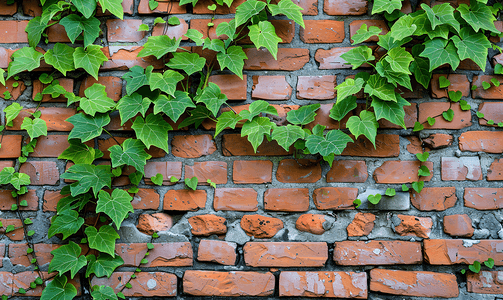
(66, 83)
(461, 118)
(13, 32)
(434, 198)
(271, 88)
(235, 283)
(231, 85)
(202, 8)
(449, 252)
(165, 7)
(285, 254)
(242, 199)
(125, 57)
(289, 59)
(6, 200)
(11, 146)
(362, 224)
(485, 282)
(459, 82)
(396, 171)
(485, 141)
(6, 164)
(145, 199)
(414, 226)
(463, 168)
(53, 146)
(113, 86)
(312, 223)
(387, 145)
(298, 171)
(347, 171)
(16, 235)
(415, 145)
(192, 146)
(316, 87)
(18, 255)
(149, 224)
(458, 225)
(103, 145)
(484, 198)
(252, 171)
(322, 32)
(355, 25)
(207, 225)
(219, 252)
(414, 283)
(23, 279)
(438, 141)
(173, 31)
(15, 92)
(7, 9)
(32, 8)
(310, 7)
(331, 59)
(184, 200)
(178, 254)
(323, 284)
(146, 284)
(55, 118)
(377, 252)
(494, 92)
(41, 172)
(492, 111)
(334, 198)
(51, 199)
(167, 169)
(214, 170)
(235, 145)
(345, 7)
(124, 30)
(57, 34)
(261, 227)
(495, 171)
(323, 118)
(293, 200)
(2, 254)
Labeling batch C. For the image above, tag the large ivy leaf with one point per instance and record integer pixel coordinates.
(86, 127)
(256, 108)
(75, 25)
(197, 117)
(399, 60)
(50, 10)
(159, 46)
(287, 135)
(248, 9)
(89, 59)
(61, 58)
(256, 129)
(166, 82)
(384, 69)
(215, 45)
(264, 35)
(403, 28)
(391, 111)
(34, 127)
(365, 124)
(70, 203)
(131, 153)
(388, 42)
(79, 153)
(130, 105)
(379, 87)
(364, 34)
(420, 19)
(358, 56)
(59, 289)
(173, 107)
(113, 6)
(67, 258)
(136, 78)
(342, 108)
(118, 205)
(104, 240)
(67, 223)
(212, 97)
(439, 52)
(104, 265)
(86, 7)
(233, 59)
(152, 131)
(334, 142)
(386, 5)
(473, 46)
(225, 120)
(96, 100)
(228, 29)
(88, 177)
(441, 14)
(420, 67)
(478, 16)
(304, 115)
(189, 62)
(103, 293)
(24, 59)
(349, 87)
(289, 9)
(35, 28)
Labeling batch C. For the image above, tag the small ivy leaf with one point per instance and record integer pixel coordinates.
(212, 98)
(363, 34)
(13, 207)
(287, 135)
(135, 79)
(35, 28)
(29, 250)
(455, 96)
(495, 82)
(400, 32)
(463, 271)
(19, 179)
(489, 263)
(486, 85)
(374, 199)
(152, 4)
(366, 124)
(78, 152)
(152, 131)
(143, 27)
(117, 205)
(227, 119)
(358, 56)
(188, 62)
(28, 221)
(256, 129)
(159, 46)
(23, 203)
(67, 258)
(348, 88)
(173, 179)
(6, 175)
(357, 203)
(11, 112)
(443, 82)
(197, 117)
(500, 124)
(423, 156)
(448, 115)
(431, 121)
(173, 21)
(498, 69)
(475, 267)
(75, 25)
(390, 192)
(173, 107)
(212, 7)
(103, 266)
(154, 235)
(418, 126)
(342, 108)
(418, 186)
(90, 59)
(490, 122)
(264, 35)
(248, 9)
(161, 20)
(96, 100)
(157, 179)
(304, 115)
(9, 228)
(441, 14)
(423, 171)
(59, 289)
(129, 285)
(87, 8)
(464, 105)
(104, 240)
(233, 59)
(405, 188)
(479, 114)
(24, 59)
(191, 183)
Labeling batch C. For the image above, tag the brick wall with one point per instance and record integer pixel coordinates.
(274, 226)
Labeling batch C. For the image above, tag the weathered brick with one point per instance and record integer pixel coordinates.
(414, 283)
(219, 252)
(172, 31)
(252, 171)
(485, 141)
(235, 283)
(125, 57)
(149, 224)
(484, 198)
(51, 199)
(6, 200)
(347, 171)
(494, 92)
(167, 169)
(438, 141)
(387, 145)
(54, 117)
(231, 85)
(15, 92)
(492, 111)
(38, 87)
(289, 59)
(485, 282)
(323, 284)
(312, 223)
(271, 88)
(459, 82)
(113, 86)
(53, 146)
(261, 227)
(242, 199)
(294, 200)
(298, 171)
(345, 7)
(124, 30)
(207, 225)
(285, 254)
(11, 146)
(495, 171)
(462, 168)
(396, 171)
(23, 280)
(334, 198)
(177, 254)
(235, 145)
(462, 118)
(184, 200)
(7, 9)
(216, 171)
(164, 7)
(458, 225)
(316, 87)
(355, 25)
(434, 198)
(413, 226)
(377, 252)
(13, 32)
(57, 34)
(17, 234)
(409, 119)
(145, 199)
(146, 284)
(449, 252)
(322, 32)
(41, 172)
(331, 58)
(362, 224)
(192, 146)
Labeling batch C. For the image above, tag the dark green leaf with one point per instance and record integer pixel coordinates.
(304, 115)
(104, 240)
(391, 111)
(189, 62)
(88, 176)
(117, 205)
(358, 56)
(473, 46)
(131, 153)
(166, 82)
(90, 59)
(35, 28)
(67, 223)
(334, 142)
(103, 293)
(348, 88)
(256, 108)
(135, 79)
(379, 87)
(86, 127)
(24, 59)
(439, 52)
(212, 98)
(59, 289)
(342, 108)
(418, 186)
(256, 129)
(75, 25)
(475, 267)
(67, 258)
(130, 105)
(152, 131)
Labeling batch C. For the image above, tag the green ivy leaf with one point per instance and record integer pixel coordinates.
(67, 223)
(475, 267)
(228, 29)
(75, 25)
(342, 108)
(103, 266)
(88, 176)
(117, 206)
(334, 142)
(10, 228)
(486, 85)
(103, 293)
(391, 111)
(212, 98)
(131, 153)
(489, 263)
(67, 258)
(59, 289)
(495, 81)
(197, 116)
(473, 46)
(378, 86)
(405, 188)
(390, 192)
(188, 62)
(264, 35)
(104, 240)
(130, 105)
(439, 52)
(498, 69)
(388, 42)
(366, 124)
(348, 88)
(304, 115)
(159, 46)
(423, 171)
(86, 127)
(19, 179)
(96, 101)
(431, 121)
(157, 179)
(256, 129)
(135, 79)
(86, 7)
(225, 120)
(384, 69)
(248, 9)
(173, 107)
(24, 59)
(374, 199)
(152, 131)
(455, 96)
(191, 183)
(357, 203)
(196, 36)
(11, 112)
(113, 6)
(418, 186)
(479, 114)
(399, 60)
(215, 45)
(90, 59)
(233, 59)
(287, 135)
(358, 56)
(6, 175)
(386, 5)
(143, 27)
(34, 127)
(402, 29)
(289, 9)
(478, 16)
(166, 82)
(256, 108)
(363, 34)
(443, 82)
(464, 105)
(35, 28)
(441, 14)
(448, 115)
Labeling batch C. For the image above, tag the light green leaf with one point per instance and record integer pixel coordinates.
(248, 9)
(6, 175)
(264, 35)
(228, 29)
(478, 16)
(362, 34)
(11, 112)
(19, 179)
(75, 25)
(173, 107)
(342, 108)
(67, 223)
(256, 129)
(448, 115)
(366, 124)
(90, 59)
(113, 6)
(384, 69)
(88, 176)
(159, 46)
(59, 289)
(287, 135)
(189, 62)
(439, 52)
(86, 7)
(388, 43)
(386, 5)
(379, 87)
(334, 142)
(195, 36)
(24, 59)
(152, 131)
(35, 28)
(418, 186)
(104, 240)
(35, 127)
(441, 14)
(78, 152)
(86, 127)
(212, 97)
(349, 87)
(157, 179)
(391, 111)
(256, 108)
(190, 183)
(403, 28)
(399, 60)
(226, 119)
(131, 153)
(233, 59)
(166, 82)
(374, 199)
(473, 46)
(289, 9)
(67, 258)
(118, 205)
(96, 100)
(358, 56)
(304, 115)
(130, 106)
(103, 266)
(103, 293)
